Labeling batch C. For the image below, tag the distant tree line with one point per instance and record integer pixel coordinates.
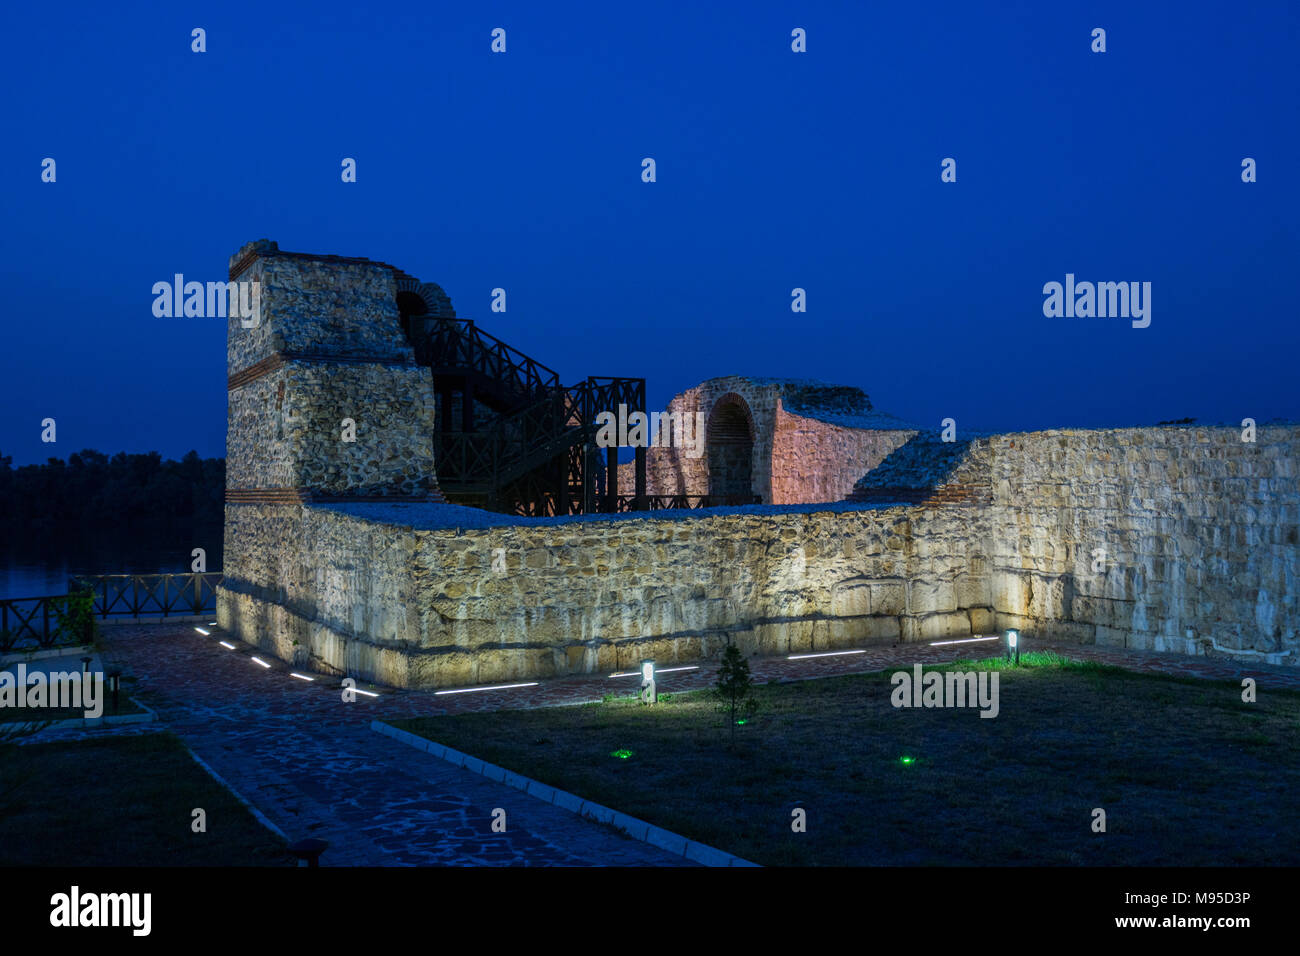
(92, 492)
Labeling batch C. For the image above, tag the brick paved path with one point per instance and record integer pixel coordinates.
(309, 762)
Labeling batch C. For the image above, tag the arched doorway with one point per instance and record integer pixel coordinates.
(730, 438)
(418, 303)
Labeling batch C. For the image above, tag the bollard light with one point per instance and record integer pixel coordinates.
(308, 851)
(1013, 646)
(649, 693)
(114, 684)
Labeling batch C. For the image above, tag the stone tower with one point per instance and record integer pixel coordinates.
(325, 403)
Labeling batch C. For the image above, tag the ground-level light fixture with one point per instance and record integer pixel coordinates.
(804, 657)
(1013, 645)
(658, 670)
(649, 693)
(202, 631)
(473, 690)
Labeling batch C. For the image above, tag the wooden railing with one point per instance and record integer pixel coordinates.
(38, 623)
(151, 595)
(458, 345)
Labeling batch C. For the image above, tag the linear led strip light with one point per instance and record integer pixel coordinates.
(965, 640)
(658, 670)
(804, 657)
(470, 690)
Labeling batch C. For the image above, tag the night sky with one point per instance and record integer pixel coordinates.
(775, 170)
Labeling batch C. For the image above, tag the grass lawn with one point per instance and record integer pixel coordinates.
(1186, 772)
(122, 801)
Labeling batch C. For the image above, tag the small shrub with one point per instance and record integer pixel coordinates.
(734, 688)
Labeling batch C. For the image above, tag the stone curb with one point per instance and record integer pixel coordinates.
(112, 720)
(126, 620)
(258, 815)
(66, 650)
(636, 829)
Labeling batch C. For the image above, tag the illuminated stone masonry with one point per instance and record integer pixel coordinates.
(340, 556)
(800, 442)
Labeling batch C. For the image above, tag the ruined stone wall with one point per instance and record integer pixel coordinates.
(327, 346)
(1200, 531)
(410, 595)
(285, 429)
(327, 595)
(813, 460)
(322, 305)
(672, 471)
(417, 606)
(811, 441)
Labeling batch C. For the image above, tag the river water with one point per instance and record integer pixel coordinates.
(35, 568)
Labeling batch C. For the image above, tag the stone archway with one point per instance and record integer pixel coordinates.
(730, 439)
(419, 301)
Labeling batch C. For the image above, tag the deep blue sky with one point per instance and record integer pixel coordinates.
(775, 170)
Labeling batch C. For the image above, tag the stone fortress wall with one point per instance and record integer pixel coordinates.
(1197, 532)
(341, 557)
